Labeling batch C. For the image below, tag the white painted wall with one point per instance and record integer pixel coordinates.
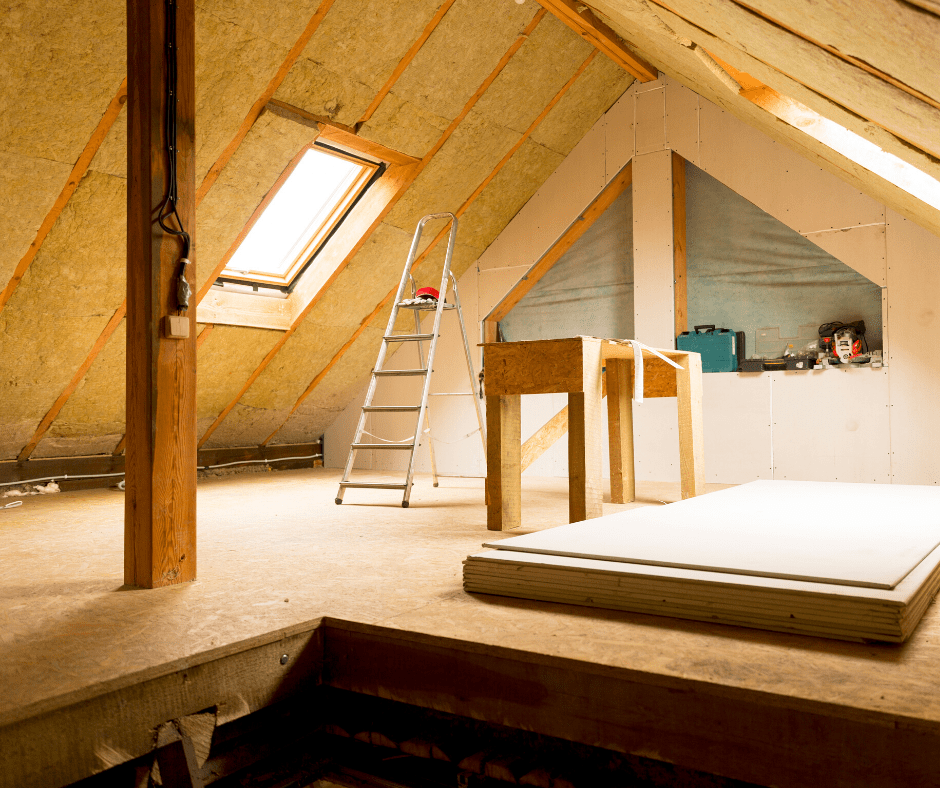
(848, 425)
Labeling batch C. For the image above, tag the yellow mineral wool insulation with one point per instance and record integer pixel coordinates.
(225, 361)
(278, 22)
(28, 189)
(541, 67)
(233, 67)
(273, 142)
(374, 271)
(61, 67)
(66, 298)
(512, 187)
(872, 31)
(403, 126)
(300, 359)
(594, 92)
(793, 89)
(858, 91)
(316, 89)
(245, 426)
(471, 153)
(462, 52)
(111, 157)
(364, 40)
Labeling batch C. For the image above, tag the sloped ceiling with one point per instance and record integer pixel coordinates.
(869, 65)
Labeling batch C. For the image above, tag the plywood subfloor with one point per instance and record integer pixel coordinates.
(275, 551)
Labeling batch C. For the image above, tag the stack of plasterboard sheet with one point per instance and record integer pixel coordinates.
(848, 561)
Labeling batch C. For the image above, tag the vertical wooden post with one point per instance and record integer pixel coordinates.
(503, 462)
(620, 429)
(585, 470)
(691, 430)
(160, 501)
(678, 244)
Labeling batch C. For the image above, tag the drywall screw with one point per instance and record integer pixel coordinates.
(284, 659)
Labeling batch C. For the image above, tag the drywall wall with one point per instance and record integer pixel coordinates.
(863, 425)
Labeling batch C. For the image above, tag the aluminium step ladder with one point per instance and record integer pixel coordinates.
(417, 305)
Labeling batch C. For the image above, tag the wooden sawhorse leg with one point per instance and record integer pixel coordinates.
(620, 429)
(503, 462)
(691, 431)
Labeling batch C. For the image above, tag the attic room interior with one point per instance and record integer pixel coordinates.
(416, 393)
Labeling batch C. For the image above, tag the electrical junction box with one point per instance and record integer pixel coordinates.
(176, 327)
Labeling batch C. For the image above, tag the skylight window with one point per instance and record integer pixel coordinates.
(287, 233)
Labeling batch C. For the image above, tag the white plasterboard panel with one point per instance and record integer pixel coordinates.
(339, 435)
(618, 128)
(494, 283)
(653, 301)
(831, 425)
(866, 535)
(650, 121)
(843, 597)
(556, 204)
(736, 411)
(656, 440)
(913, 320)
(777, 180)
(860, 248)
(682, 121)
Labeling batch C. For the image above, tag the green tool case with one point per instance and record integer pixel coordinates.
(721, 349)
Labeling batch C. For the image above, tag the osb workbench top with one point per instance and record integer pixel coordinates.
(274, 551)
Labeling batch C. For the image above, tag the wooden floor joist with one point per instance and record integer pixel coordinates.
(437, 239)
(71, 184)
(418, 168)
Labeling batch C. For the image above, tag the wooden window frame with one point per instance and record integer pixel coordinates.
(335, 217)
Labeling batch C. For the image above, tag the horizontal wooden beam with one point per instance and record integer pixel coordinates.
(340, 134)
(592, 29)
(281, 457)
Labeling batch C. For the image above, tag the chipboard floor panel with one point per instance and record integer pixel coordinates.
(864, 568)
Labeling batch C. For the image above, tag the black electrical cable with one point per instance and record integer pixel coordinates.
(167, 208)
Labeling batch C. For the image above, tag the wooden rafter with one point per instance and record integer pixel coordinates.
(57, 406)
(442, 234)
(404, 63)
(592, 29)
(413, 173)
(71, 184)
(258, 107)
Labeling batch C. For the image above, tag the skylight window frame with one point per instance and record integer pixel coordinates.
(371, 171)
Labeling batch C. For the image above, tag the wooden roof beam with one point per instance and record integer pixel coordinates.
(592, 29)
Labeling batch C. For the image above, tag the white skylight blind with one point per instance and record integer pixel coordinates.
(310, 202)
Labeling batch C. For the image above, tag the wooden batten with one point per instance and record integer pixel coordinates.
(592, 29)
(160, 501)
(680, 282)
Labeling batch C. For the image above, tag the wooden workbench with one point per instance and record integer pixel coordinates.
(575, 366)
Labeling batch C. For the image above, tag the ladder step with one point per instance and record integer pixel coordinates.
(408, 337)
(379, 485)
(396, 372)
(391, 408)
(383, 446)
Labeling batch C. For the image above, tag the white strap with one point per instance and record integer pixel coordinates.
(638, 348)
